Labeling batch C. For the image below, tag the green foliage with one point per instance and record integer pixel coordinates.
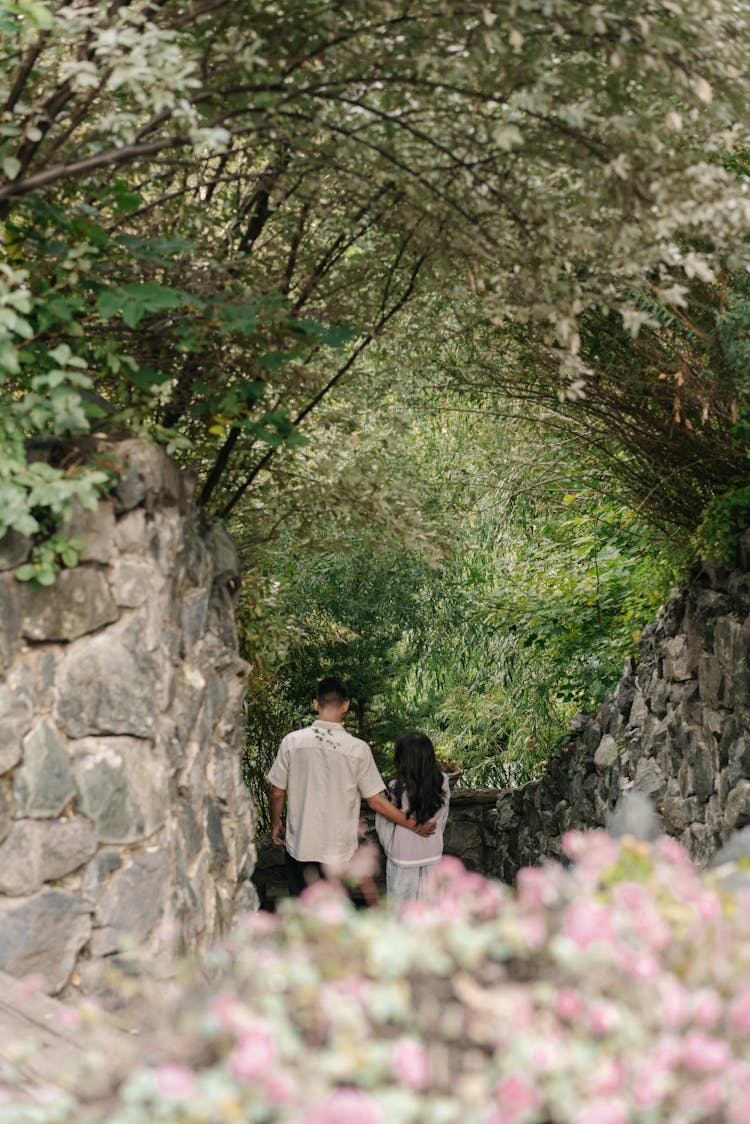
(726, 519)
(359, 612)
(48, 558)
(334, 163)
(532, 624)
(541, 593)
(269, 715)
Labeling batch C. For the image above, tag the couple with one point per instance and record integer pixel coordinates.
(322, 772)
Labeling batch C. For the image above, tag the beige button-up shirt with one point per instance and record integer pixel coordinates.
(326, 773)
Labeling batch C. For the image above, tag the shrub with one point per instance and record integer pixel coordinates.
(614, 991)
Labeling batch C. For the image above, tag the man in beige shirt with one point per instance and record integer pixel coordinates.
(323, 773)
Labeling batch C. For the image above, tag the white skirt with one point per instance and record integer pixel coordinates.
(406, 883)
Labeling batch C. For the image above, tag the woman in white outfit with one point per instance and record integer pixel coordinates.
(421, 791)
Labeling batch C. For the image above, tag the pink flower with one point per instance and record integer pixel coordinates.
(416, 911)
(279, 1088)
(253, 1054)
(640, 965)
(174, 1081)
(229, 1012)
(603, 1112)
(516, 1099)
(347, 1106)
(738, 1078)
(538, 886)
(592, 849)
(665, 1056)
(364, 863)
(648, 1089)
(739, 1075)
(606, 1076)
(702, 1053)
(587, 923)
(634, 899)
(706, 1007)
(672, 852)
(708, 905)
(739, 1111)
(673, 1002)
(450, 867)
(739, 1012)
(544, 1054)
(531, 883)
(603, 1017)
(533, 932)
(410, 1063)
(708, 1096)
(568, 1003)
(327, 901)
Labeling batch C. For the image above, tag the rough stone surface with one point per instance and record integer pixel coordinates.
(6, 821)
(44, 784)
(16, 716)
(132, 903)
(121, 727)
(122, 785)
(133, 582)
(108, 686)
(98, 872)
(737, 812)
(681, 722)
(606, 752)
(14, 549)
(78, 603)
(39, 851)
(96, 528)
(42, 935)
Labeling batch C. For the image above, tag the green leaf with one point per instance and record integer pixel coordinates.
(11, 167)
(158, 250)
(145, 377)
(134, 301)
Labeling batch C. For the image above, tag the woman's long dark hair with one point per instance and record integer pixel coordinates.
(418, 776)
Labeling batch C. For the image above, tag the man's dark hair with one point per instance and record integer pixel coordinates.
(331, 691)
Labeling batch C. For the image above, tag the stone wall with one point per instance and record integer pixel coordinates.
(123, 816)
(676, 729)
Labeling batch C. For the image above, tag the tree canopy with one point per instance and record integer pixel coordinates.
(211, 210)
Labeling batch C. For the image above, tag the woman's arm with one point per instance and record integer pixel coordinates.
(389, 811)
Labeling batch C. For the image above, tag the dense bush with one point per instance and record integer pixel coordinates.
(615, 991)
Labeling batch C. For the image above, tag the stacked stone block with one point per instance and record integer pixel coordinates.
(123, 817)
(677, 729)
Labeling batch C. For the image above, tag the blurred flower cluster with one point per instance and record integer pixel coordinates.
(612, 990)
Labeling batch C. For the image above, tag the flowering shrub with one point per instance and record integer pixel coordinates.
(616, 991)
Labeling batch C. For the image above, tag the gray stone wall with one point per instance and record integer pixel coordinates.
(123, 816)
(676, 729)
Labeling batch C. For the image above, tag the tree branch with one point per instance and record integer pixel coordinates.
(333, 382)
(75, 168)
